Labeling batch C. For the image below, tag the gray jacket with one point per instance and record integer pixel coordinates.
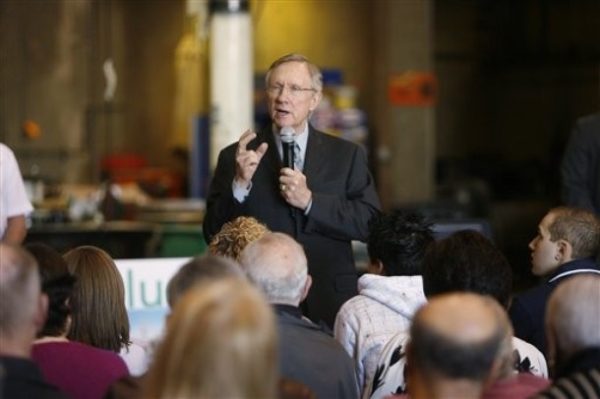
(310, 355)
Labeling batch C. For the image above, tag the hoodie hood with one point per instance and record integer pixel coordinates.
(402, 294)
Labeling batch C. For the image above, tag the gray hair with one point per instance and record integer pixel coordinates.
(200, 269)
(276, 264)
(572, 316)
(20, 289)
(315, 73)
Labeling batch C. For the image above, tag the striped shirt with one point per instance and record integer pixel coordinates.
(581, 385)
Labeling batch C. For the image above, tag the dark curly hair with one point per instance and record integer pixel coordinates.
(57, 284)
(399, 240)
(467, 261)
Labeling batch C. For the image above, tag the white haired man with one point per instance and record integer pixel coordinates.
(276, 264)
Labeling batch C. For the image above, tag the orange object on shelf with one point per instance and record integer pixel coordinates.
(412, 88)
(132, 168)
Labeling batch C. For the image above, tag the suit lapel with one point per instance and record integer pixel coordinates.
(315, 154)
(273, 163)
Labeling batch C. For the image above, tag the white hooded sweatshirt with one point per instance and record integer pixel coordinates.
(383, 307)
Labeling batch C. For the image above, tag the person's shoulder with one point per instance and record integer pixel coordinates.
(350, 311)
(307, 328)
(6, 153)
(330, 139)
(564, 387)
(529, 359)
(535, 293)
(97, 354)
(588, 128)
(589, 120)
(352, 303)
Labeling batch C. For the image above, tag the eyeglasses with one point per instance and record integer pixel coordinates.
(293, 90)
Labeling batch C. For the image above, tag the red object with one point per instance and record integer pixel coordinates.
(412, 89)
(123, 161)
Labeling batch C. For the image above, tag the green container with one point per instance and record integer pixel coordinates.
(182, 240)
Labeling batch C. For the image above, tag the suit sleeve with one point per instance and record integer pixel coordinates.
(575, 170)
(221, 206)
(345, 216)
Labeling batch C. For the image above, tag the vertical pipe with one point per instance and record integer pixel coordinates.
(231, 68)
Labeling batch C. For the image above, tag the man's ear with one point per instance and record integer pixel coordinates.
(307, 286)
(375, 266)
(565, 251)
(315, 100)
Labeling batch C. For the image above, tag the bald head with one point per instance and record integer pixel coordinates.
(276, 263)
(457, 336)
(572, 317)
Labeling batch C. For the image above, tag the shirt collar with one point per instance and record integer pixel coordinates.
(301, 139)
(583, 265)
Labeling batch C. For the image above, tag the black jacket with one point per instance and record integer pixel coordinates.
(344, 200)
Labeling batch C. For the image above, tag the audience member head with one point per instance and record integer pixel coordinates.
(467, 261)
(99, 317)
(455, 343)
(573, 318)
(57, 284)
(22, 304)
(221, 342)
(397, 242)
(564, 234)
(199, 270)
(276, 264)
(233, 237)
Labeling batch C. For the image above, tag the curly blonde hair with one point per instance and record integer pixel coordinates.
(233, 237)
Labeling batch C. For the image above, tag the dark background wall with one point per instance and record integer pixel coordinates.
(513, 77)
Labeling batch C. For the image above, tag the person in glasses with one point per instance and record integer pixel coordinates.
(325, 201)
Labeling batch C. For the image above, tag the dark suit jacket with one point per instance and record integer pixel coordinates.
(22, 378)
(344, 200)
(580, 167)
(309, 355)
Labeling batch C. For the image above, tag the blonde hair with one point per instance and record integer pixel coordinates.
(221, 341)
(99, 316)
(233, 237)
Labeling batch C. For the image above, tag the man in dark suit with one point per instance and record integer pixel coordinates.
(324, 201)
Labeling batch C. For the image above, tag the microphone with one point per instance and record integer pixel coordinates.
(287, 146)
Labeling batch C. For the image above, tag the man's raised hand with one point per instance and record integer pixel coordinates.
(246, 161)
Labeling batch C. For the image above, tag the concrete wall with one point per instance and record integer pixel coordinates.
(44, 77)
(512, 77)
